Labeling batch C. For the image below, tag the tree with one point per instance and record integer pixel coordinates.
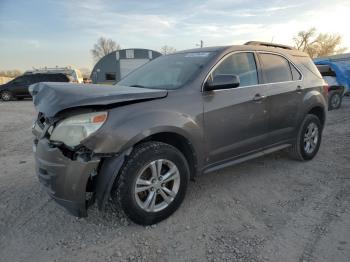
(320, 45)
(165, 50)
(11, 73)
(103, 47)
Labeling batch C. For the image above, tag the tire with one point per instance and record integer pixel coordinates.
(299, 150)
(6, 95)
(334, 100)
(140, 166)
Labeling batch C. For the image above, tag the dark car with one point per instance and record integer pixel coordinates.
(174, 118)
(18, 87)
(335, 90)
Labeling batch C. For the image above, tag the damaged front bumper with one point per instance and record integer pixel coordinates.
(65, 179)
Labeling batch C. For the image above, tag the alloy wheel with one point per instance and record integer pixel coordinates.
(335, 101)
(311, 138)
(157, 185)
(6, 96)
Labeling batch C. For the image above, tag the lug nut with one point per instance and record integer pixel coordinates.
(152, 189)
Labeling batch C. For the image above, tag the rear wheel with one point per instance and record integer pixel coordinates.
(6, 95)
(152, 183)
(308, 141)
(335, 99)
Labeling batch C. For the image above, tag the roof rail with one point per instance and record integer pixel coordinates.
(269, 45)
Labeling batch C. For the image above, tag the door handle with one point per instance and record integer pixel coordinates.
(299, 89)
(258, 98)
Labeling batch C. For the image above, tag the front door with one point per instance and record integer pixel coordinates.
(19, 86)
(236, 119)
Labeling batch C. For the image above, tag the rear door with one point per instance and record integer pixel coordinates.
(235, 119)
(32, 79)
(284, 95)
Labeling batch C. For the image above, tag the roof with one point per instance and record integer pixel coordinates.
(279, 48)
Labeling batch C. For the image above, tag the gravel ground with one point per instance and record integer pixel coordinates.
(267, 209)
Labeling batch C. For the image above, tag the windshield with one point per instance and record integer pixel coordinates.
(168, 72)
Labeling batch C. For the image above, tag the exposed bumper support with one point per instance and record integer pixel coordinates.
(106, 177)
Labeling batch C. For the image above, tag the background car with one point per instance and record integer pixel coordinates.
(73, 74)
(18, 87)
(337, 77)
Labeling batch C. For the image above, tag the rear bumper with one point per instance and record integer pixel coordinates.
(64, 179)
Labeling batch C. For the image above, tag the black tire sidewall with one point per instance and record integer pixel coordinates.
(308, 119)
(135, 164)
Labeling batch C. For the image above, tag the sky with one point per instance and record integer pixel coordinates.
(38, 33)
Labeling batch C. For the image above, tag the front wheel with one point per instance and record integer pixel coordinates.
(307, 143)
(152, 183)
(6, 95)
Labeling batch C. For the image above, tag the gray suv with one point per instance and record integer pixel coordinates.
(138, 143)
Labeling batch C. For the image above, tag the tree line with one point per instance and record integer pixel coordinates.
(309, 41)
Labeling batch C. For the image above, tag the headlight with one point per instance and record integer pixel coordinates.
(71, 131)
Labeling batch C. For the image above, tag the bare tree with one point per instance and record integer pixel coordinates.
(320, 45)
(103, 47)
(165, 50)
(11, 73)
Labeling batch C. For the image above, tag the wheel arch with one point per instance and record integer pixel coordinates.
(320, 113)
(181, 143)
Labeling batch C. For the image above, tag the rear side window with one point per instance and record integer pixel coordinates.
(241, 64)
(276, 68)
(60, 78)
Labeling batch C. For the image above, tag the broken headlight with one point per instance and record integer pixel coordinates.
(72, 130)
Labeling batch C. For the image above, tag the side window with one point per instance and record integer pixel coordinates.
(28, 79)
(38, 78)
(19, 80)
(61, 78)
(241, 64)
(276, 68)
(295, 73)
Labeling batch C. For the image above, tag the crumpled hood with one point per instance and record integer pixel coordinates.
(51, 98)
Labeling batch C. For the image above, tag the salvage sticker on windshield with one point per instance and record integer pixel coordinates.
(198, 54)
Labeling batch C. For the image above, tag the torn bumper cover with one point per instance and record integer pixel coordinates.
(64, 179)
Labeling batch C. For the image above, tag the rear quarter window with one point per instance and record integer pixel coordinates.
(309, 65)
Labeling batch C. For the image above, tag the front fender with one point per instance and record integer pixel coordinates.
(120, 133)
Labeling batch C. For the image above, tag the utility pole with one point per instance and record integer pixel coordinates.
(201, 44)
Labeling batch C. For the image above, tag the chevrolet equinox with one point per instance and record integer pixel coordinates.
(138, 143)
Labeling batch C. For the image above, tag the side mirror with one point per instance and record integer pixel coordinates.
(222, 82)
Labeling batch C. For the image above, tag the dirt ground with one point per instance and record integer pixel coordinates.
(268, 209)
